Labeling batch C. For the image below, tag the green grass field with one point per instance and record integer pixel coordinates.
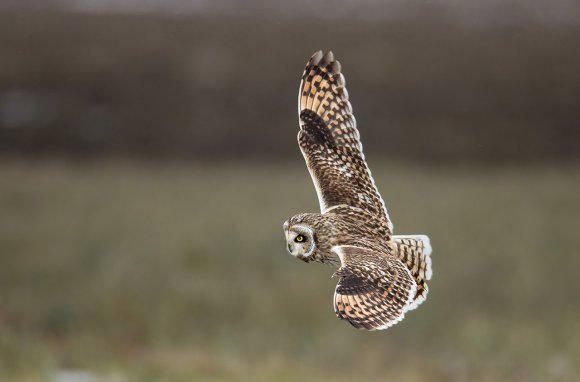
(180, 273)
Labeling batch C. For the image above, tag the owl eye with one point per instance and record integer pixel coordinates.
(300, 239)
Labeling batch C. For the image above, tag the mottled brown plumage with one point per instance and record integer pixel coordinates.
(381, 276)
(374, 288)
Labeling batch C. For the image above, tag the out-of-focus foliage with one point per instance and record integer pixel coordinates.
(181, 273)
(425, 87)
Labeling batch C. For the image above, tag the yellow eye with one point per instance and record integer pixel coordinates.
(300, 239)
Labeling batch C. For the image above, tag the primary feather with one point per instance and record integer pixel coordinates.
(330, 141)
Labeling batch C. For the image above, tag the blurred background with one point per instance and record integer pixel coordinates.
(148, 159)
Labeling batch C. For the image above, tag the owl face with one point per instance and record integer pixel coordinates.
(300, 240)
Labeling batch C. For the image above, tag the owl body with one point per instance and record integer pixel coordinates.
(381, 275)
(343, 226)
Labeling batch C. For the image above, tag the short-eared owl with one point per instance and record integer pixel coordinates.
(382, 276)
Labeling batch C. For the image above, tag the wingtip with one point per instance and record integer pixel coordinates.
(336, 67)
(316, 57)
(327, 58)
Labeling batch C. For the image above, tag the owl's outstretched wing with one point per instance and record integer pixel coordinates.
(374, 290)
(330, 141)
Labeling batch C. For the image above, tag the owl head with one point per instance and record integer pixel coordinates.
(302, 238)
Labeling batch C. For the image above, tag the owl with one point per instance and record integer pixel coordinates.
(381, 276)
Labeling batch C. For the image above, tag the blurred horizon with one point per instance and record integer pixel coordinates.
(467, 11)
(426, 86)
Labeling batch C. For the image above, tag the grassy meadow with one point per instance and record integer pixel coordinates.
(179, 272)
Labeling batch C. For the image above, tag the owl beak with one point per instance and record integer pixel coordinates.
(289, 247)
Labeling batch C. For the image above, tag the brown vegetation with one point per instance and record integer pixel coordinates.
(423, 89)
(159, 273)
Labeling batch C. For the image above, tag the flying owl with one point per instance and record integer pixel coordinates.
(381, 275)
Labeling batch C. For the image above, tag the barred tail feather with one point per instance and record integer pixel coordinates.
(415, 252)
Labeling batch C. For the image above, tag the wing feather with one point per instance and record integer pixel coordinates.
(330, 141)
(374, 290)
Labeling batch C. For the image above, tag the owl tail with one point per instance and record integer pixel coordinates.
(415, 251)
